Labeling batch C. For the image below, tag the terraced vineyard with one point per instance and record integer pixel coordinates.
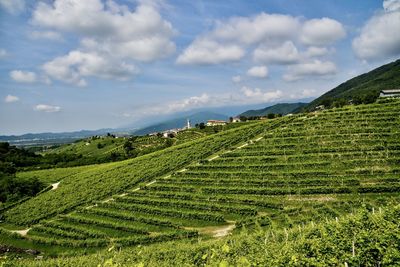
(290, 171)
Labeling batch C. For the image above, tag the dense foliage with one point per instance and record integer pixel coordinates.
(14, 188)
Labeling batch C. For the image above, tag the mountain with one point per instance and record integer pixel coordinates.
(53, 138)
(181, 122)
(362, 87)
(282, 108)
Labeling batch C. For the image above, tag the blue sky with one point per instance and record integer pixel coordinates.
(68, 64)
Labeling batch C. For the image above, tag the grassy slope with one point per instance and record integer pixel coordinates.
(374, 236)
(384, 77)
(49, 176)
(105, 180)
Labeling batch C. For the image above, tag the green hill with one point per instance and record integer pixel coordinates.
(276, 175)
(363, 88)
(282, 108)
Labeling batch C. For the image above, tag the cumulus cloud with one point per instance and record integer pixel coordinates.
(391, 5)
(47, 108)
(315, 51)
(380, 38)
(206, 51)
(273, 35)
(286, 53)
(77, 65)
(258, 72)
(237, 79)
(13, 6)
(11, 99)
(314, 68)
(112, 37)
(110, 28)
(23, 76)
(260, 28)
(323, 31)
(257, 95)
(49, 35)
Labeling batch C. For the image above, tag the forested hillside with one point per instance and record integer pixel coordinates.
(364, 88)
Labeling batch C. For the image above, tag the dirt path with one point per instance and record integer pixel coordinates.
(223, 231)
(214, 231)
(152, 182)
(21, 232)
(55, 186)
(213, 158)
(239, 147)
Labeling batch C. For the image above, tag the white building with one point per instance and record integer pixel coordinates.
(390, 93)
(215, 123)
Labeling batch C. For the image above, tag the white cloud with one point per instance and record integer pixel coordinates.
(315, 68)
(110, 28)
(286, 53)
(257, 95)
(11, 99)
(315, 51)
(23, 76)
(305, 93)
(189, 103)
(391, 5)
(258, 72)
(3, 53)
(261, 28)
(380, 38)
(47, 108)
(236, 79)
(273, 35)
(49, 35)
(206, 51)
(323, 31)
(77, 65)
(13, 6)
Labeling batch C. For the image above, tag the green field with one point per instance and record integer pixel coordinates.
(284, 175)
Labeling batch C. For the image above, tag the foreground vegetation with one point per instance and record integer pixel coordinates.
(367, 238)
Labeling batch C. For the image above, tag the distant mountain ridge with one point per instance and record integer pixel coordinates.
(365, 85)
(181, 122)
(49, 138)
(281, 108)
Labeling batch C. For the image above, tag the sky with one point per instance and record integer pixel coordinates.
(68, 65)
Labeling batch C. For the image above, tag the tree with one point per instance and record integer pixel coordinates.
(128, 147)
(230, 119)
(100, 145)
(271, 115)
(202, 125)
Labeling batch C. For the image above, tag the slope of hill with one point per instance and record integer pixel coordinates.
(282, 108)
(261, 174)
(365, 238)
(365, 87)
(181, 122)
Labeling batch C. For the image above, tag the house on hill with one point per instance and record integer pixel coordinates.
(390, 93)
(215, 123)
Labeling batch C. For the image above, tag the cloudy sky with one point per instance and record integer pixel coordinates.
(71, 64)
